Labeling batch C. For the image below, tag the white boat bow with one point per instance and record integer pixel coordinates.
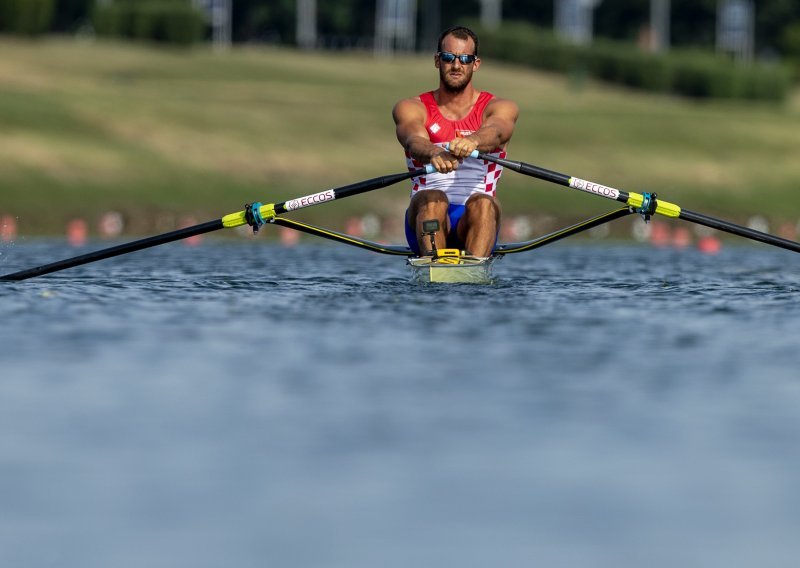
(452, 269)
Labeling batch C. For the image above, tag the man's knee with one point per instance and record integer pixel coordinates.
(428, 196)
(430, 201)
(482, 206)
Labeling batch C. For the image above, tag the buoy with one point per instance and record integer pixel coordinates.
(110, 225)
(77, 232)
(192, 241)
(660, 234)
(289, 237)
(709, 245)
(681, 238)
(8, 228)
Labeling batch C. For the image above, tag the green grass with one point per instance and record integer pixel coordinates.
(87, 127)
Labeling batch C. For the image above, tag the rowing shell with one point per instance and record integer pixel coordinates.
(452, 270)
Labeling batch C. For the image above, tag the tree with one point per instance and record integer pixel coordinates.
(272, 21)
(773, 20)
(71, 15)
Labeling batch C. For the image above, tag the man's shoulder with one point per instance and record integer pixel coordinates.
(410, 105)
(502, 105)
(411, 101)
(495, 100)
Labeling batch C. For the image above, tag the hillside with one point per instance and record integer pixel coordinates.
(87, 127)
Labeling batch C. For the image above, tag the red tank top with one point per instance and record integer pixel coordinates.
(443, 130)
(472, 176)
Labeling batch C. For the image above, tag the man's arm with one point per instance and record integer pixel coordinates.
(409, 118)
(499, 119)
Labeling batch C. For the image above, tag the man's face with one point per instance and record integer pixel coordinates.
(456, 76)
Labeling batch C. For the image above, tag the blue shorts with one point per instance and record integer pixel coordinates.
(454, 213)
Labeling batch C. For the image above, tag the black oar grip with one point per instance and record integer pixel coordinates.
(528, 169)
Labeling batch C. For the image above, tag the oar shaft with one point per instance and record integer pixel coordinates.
(347, 190)
(270, 210)
(557, 178)
(530, 170)
(116, 251)
(636, 200)
(739, 230)
(228, 221)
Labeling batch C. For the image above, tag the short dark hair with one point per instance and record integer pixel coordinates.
(459, 32)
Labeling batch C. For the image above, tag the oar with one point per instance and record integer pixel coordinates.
(259, 212)
(645, 203)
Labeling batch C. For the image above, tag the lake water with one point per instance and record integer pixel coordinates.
(248, 405)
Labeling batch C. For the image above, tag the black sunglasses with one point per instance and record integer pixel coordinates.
(448, 57)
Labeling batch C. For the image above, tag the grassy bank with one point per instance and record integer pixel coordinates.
(88, 127)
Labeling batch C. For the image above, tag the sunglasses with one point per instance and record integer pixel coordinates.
(448, 57)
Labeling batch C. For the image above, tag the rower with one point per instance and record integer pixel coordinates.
(442, 128)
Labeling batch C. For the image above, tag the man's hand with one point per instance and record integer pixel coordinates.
(463, 147)
(444, 161)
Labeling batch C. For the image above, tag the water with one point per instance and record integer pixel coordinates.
(247, 405)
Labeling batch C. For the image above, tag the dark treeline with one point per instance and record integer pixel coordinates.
(351, 23)
(693, 22)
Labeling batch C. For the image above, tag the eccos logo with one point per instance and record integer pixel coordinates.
(301, 202)
(595, 188)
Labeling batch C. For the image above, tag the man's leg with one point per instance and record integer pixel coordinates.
(427, 205)
(478, 228)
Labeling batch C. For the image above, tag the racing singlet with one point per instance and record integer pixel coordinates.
(472, 176)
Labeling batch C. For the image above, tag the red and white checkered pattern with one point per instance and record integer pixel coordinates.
(472, 176)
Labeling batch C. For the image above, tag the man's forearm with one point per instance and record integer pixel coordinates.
(421, 149)
(489, 137)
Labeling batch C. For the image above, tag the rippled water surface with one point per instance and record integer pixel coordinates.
(249, 405)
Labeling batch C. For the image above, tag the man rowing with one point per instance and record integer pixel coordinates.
(443, 127)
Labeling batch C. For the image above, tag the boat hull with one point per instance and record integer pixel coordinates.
(463, 270)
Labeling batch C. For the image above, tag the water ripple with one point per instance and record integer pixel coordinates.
(250, 398)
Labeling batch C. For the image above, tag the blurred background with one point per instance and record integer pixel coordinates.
(129, 117)
(247, 405)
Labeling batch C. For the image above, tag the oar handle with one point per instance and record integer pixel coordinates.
(474, 154)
